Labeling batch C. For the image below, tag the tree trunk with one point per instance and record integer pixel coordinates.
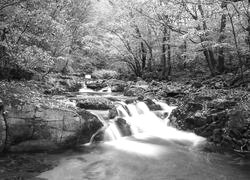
(221, 58)
(150, 59)
(208, 60)
(169, 66)
(143, 51)
(163, 51)
(208, 52)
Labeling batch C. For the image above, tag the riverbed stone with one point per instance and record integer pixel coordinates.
(134, 91)
(31, 123)
(2, 127)
(97, 103)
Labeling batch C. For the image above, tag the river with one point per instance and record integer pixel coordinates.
(155, 152)
(145, 157)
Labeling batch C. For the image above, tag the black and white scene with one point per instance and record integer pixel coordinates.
(124, 89)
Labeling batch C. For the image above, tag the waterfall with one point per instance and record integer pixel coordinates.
(84, 88)
(140, 120)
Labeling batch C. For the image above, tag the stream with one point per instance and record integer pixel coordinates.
(147, 158)
(155, 151)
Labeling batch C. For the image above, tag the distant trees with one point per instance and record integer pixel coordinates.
(35, 33)
(151, 38)
(162, 34)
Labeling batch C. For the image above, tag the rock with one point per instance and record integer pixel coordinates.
(193, 107)
(217, 135)
(124, 127)
(97, 103)
(117, 85)
(112, 113)
(42, 123)
(96, 84)
(237, 120)
(221, 104)
(174, 91)
(34, 146)
(152, 105)
(194, 122)
(235, 133)
(2, 127)
(197, 85)
(130, 101)
(134, 91)
(219, 85)
(90, 126)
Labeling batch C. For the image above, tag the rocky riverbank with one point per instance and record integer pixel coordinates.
(32, 119)
(210, 108)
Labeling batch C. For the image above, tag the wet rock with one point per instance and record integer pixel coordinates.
(34, 146)
(197, 85)
(2, 127)
(237, 120)
(235, 133)
(112, 113)
(31, 123)
(90, 126)
(152, 105)
(96, 84)
(174, 91)
(195, 121)
(95, 103)
(221, 104)
(117, 85)
(217, 135)
(193, 107)
(124, 127)
(130, 101)
(134, 91)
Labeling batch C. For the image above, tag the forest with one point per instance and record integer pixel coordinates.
(151, 39)
(71, 69)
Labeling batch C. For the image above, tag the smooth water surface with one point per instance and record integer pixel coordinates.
(145, 157)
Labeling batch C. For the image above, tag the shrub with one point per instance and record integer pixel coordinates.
(105, 74)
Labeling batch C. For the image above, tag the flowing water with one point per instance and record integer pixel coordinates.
(155, 151)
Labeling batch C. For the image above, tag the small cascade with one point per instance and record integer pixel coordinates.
(142, 120)
(106, 90)
(84, 88)
(112, 132)
(110, 129)
(166, 108)
(139, 119)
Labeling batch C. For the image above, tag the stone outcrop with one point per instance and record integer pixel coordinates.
(2, 127)
(34, 129)
(97, 103)
(30, 123)
(221, 121)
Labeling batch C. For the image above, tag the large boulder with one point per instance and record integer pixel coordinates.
(95, 103)
(31, 123)
(134, 91)
(90, 126)
(96, 84)
(117, 85)
(2, 127)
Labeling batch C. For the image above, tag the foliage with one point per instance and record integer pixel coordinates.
(164, 36)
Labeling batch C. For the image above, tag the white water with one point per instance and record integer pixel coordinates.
(142, 120)
(156, 152)
(84, 88)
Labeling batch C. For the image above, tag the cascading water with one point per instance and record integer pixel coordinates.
(155, 151)
(85, 89)
(141, 120)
